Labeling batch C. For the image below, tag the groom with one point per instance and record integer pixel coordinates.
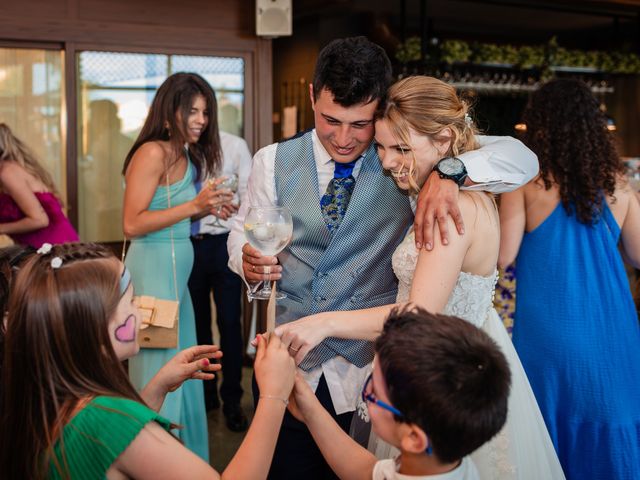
(348, 219)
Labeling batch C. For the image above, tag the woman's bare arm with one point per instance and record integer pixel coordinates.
(512, 225)
(630, 234)
(15, 182)
(154, 454)
(145, 174)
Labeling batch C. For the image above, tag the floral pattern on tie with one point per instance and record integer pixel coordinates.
(334, 202)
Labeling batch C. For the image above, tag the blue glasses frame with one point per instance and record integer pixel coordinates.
(371, 398)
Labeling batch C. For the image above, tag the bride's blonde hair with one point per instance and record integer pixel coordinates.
(427, 106)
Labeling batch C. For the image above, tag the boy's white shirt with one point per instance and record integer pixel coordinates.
(388, 470)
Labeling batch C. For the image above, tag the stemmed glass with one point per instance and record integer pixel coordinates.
(230, 182)
(268, 229)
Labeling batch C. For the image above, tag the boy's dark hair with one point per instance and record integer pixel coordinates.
(447, 377)
(354, 70)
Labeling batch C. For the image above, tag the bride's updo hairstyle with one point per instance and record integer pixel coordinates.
(427, 106)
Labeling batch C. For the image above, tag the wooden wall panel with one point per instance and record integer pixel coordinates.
(160, 38)
(156, 26)
(213, 15)
(35, 8)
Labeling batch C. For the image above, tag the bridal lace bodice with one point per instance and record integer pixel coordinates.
(509, 455)
(471, 298)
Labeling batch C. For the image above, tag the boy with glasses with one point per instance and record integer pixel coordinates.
(438, 391)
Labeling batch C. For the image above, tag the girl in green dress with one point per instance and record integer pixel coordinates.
(67, 408)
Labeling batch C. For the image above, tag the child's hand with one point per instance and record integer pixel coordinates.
(294, 410)
(304, 398)
(274, 368)
(190, 363)
(303, 392)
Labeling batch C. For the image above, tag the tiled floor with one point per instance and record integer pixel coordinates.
(223, 443)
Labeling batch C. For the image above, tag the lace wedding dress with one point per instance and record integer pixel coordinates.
(523, 449)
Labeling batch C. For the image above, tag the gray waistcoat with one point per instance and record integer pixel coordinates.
(351, 269)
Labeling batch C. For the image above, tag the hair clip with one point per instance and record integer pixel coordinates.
(44, 249)
(467, 119)
(56, 262)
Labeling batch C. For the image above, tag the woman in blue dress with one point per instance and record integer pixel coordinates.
(576, 328)
(177, 143)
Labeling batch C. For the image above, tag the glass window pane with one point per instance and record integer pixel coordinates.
(226, 76)
(115, 92)
(31, 102)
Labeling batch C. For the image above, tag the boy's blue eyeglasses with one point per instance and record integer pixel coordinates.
(371, 398)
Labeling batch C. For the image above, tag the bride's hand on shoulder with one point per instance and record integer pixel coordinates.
(301, 336)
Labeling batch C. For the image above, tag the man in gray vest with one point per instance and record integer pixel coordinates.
(339, 257)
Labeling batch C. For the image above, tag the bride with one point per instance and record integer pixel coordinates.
(422, 122)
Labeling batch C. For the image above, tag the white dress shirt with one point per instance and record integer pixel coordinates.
(236, 158)
(501, 164)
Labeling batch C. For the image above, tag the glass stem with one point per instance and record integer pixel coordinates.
(266, 286)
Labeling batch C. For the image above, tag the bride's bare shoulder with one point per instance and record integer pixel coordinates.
(478, 205)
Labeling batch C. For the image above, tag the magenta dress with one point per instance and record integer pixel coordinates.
(59, 229)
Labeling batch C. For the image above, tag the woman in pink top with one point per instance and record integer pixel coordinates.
(30, 211)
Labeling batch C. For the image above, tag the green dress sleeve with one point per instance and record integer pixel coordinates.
(97, 435)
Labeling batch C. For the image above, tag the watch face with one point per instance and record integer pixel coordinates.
(451, 166)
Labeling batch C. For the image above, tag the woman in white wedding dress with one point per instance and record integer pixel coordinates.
(422, 122)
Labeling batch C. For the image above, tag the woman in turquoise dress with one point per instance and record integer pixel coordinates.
(176, 144)
(576, 328)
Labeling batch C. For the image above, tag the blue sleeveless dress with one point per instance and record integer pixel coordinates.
(149, 260)
(577, 334)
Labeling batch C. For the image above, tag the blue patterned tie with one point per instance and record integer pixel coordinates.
(334, 202)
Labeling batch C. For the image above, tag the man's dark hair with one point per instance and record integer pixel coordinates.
(447, 377)
(354, 70)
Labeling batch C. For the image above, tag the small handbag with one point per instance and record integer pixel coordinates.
(159, 327)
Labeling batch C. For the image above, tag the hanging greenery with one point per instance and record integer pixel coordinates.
(527, 56)
(409, 51)
(452, 51)
(531, 56)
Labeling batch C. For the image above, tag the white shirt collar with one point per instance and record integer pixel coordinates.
(321, 154)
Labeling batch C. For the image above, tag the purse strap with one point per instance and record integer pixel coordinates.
(173, 248)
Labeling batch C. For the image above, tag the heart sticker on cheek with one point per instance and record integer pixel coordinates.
(127, 331)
